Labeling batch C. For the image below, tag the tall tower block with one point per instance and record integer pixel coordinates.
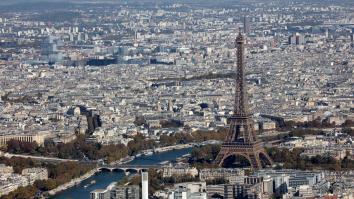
(246, 25)
(145, 185)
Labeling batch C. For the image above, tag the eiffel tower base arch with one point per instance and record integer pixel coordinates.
(252, 152)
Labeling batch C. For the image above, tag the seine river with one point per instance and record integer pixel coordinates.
(103, 179)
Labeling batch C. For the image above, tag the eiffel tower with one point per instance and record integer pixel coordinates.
(241, 140)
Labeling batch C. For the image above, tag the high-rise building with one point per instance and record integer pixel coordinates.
(144, 185)
(49, 46)
(158, 106)
(188, 190)
(246, 191)
(292, 40)
(126, 192)
(114, 191)
(246, 25)
(170, 105)
(297, 39)
(229, 191)
(267, 184)
(327, 33)
(100, 194)
(181, 193)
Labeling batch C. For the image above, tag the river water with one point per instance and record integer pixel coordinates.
(104, 178)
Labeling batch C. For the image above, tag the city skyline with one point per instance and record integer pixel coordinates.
(94, 93)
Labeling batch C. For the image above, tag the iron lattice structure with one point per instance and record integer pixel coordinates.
(242, 139)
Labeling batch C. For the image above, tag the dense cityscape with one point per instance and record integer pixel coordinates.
(177, 99)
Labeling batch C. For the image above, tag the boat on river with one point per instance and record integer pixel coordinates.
(91, 183)
(148, 153)
(127, 160)
(164, 162)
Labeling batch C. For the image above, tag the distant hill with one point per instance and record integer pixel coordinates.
(19, 4)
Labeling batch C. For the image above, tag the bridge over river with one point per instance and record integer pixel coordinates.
(129, 168)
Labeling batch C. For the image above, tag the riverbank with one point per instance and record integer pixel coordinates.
(149, 152)
(42, 158)
(125, 160)
(72, 183)
(174, 147)
(104, 178)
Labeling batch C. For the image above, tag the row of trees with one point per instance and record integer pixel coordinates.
(196, 136)
(141, 143)
(58, 174)
(64, 172)
(22, 193)
(202, 157)
(294, 160)
(79, 148)
(318, 123)
(15, 146)
(201, 136)
(348, 131)
(348, 123)
(217, 181)
(301, 132)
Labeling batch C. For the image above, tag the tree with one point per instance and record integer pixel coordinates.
(22, 193)
(294, 160)
(203, 157)
(140, 143)
(139, 121)
(348, 130)
(348, 123)
(167, 140)
(15, 146)
(200, 136)
(58, 174)
(45, 185)
(217, 181)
